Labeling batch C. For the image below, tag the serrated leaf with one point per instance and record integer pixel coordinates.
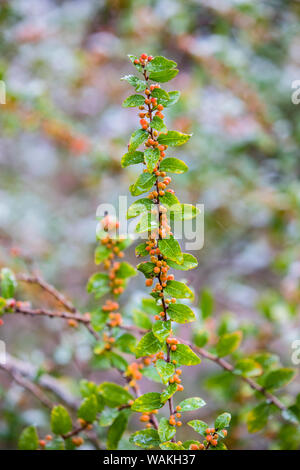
(164, 76)
(173, 139)
(108, 416)
(257, 418)
(228, 343)
(168, 392)
(160, 63)
(101, 254)
(162, 96)
(98, 285)
(165, 430)
(173, 165)
(185, 356)
(99, 319)
(133, 100)
(199, 426)
(116, 430)
(126, 343)
(206, 303)
(248, 368)
(114, 395)
(60, 420)
(151, 373)
(144, 183)
(142, 320)
(132, 158)
(148, 345)
(148, 222)
(178, 290)
(223, 421)
(171, 446)
(125, 270)
(8, 283)
(168, 199)
(88, 409)
(151, 158)
(137, 138)
(137, 66)
(170, 248)
(147, 402)
(164, 369)
(147, 269)
(279, 378)
(189, 262)
(173, 98)
(140, 250)
(181, 313)
(137, 83)
(158, 124)
(183, 212)
(162, 329)
(190, 404)
(28, 439)
(147, 438)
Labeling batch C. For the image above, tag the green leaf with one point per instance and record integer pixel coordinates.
(183, 212)
(151, 373)
(170, 248)
(219, 446)
(132, 158)
(168, 392)
(148, 222)
(140, 250)
(158, 124)
(146, 268)
(126, 343)
(147, 402)
(116, 430)
(88, 409)
(163, 76)
(150, 306)
(108, 416)
(162, 329)
(178, 290)
(279, 378)
(199, 426)
(151, 158)
(206, 303)
(137, 83)
(125, 270)
(101, 253)
(181, 313)
(160, 63)
(148, 345)
(117, 361)
(8, 283)
(190, 404)
(28, 439)
(173, 98)
(168, 200)
(133, 100)
(99, 319)
(137, 138)
(228, 343)
(142, 320)
(248, 368)
(60, 420)
(98, 285)
(222, 421)
(185, 356)
(257, 418)
(164, 369)
(144, 183)
(137, 66)
(114, 395)
(139, 207)
(171, 446)
(173, 139)
(200, 338)
(161, 95)
(147, 438)
(189, 262)
(173, 165)
(165, 430)
(58, 443)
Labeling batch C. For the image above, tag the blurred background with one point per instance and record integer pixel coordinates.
(62, 135)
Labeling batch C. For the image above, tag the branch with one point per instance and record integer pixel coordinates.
(26, 373)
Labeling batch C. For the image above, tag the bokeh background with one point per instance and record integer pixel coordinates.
(62, 135)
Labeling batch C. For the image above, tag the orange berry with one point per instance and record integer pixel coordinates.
(224, 432)
(214, 442)
(42, 443)
(194, 447)
(48, 437)
(173, 347)
(178, 408)
(179, 423)
(149, 282)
